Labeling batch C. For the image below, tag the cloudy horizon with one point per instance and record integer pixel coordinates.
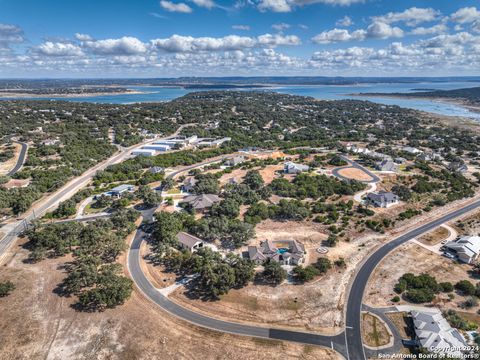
(243, 38)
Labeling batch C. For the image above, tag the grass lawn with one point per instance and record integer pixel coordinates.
(90, 210)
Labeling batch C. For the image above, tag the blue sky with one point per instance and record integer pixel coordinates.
(246, 37)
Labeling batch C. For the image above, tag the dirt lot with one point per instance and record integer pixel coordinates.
(38, 324)
(435, 236)
(356, 174)
(236, 174)
(412, 258)
(374, 332)
(268, 173)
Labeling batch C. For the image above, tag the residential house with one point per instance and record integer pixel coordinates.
(119, 190)
(188, 184)
(386, 165)
(357, 150)
(157, 170)
(379, 156)
(285, 252)
(411, 150)
(465, 248)
(292, 168)
(189, 242)
(400, 160)
(429, 156)
(201, 202)
(434, 333)
(235, 161)
(457, 166)
(382, 199)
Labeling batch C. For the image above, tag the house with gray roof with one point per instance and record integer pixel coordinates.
(235, 161)
(457, 166)
(188, 184)
(434, 333)
(119, 190)
(201, 202)
(386, 165)
(293, 168)
(189, 242)
(383, 199)
(285, 252)
(465, 248)
(157, 170)
(411, 150)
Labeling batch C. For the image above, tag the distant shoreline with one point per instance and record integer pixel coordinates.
(13, 95)
(452, 101)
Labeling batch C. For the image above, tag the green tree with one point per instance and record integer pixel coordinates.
(323, 264)
(465, 287)
(273, 272)
(304, 274)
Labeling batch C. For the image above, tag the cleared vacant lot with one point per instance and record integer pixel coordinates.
(355, 174)
(38, 324)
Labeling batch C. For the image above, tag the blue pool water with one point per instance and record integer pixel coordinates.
(282, 250)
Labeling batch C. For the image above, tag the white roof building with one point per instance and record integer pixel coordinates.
(157, 147)
(292, 168)
(143, 152)
(466, 248)
(435, 334)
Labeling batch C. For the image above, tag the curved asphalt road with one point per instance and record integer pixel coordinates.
(337, 342)
(348, 343)
(352, 322)
(21, 158)
(355, 165)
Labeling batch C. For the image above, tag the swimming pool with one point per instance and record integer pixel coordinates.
(282, 250)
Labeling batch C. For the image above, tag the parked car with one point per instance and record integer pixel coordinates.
(448, 255)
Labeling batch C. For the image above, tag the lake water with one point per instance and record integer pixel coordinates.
(326, 92)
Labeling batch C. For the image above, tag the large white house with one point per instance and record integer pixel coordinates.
(382, 199)
(466, 248)
(436, 335)
(293, 168)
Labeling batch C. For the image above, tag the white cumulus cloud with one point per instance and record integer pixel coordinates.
(288, 5)
(345, 21)
(175, 7)
(204, 3)
(126, 45)
(280, 26)
(50, 48)
(381, 30)
(432, 30)
(412, 16)
(466, 15)
(339, 35)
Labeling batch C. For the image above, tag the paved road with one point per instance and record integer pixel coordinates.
(224, 326)
(39, 209)
(353, 331)
(355, 165)
(20, 160)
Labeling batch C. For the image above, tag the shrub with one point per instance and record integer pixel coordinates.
(419, 296)
(465, 287)
(446, 287)
(6, 288)
(323, 265)
(396, 299)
